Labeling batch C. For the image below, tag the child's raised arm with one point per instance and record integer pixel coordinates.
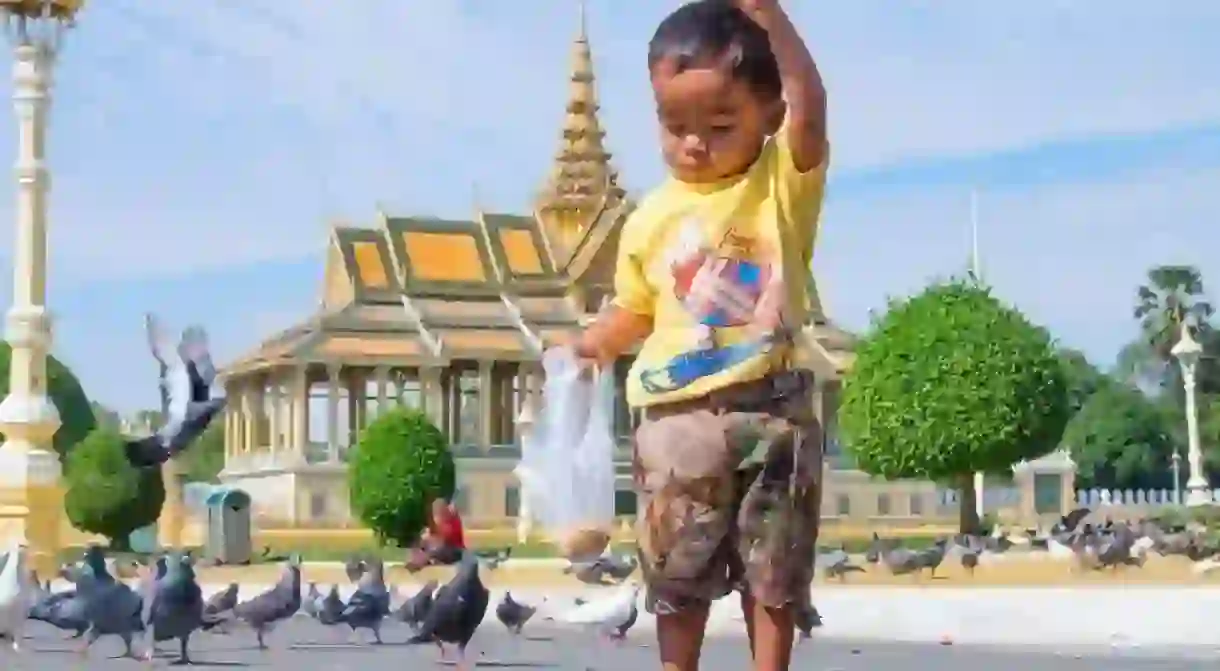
(803, 88)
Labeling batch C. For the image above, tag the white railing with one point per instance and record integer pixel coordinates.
(1092, 498)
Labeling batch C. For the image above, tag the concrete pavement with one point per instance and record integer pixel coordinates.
(306, 646)
(1122, 616)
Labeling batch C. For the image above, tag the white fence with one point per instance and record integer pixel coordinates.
(1142, 498)
(993, 497)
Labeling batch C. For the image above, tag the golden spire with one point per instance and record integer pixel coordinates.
(582, 178)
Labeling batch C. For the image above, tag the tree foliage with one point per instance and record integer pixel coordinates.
(106, 495)
(1171, 296)
(951, 382)
(1121, 439)
(75, 411)
(401, 463)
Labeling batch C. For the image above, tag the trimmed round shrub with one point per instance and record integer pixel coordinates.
(106, 495)
(400, 464)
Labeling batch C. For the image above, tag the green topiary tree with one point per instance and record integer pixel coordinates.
(106, 496)
(951, 382)
(402, 463)
(75, 410)
(1120, 439)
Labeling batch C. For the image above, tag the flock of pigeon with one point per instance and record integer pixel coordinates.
(1089, 546)
(167, 604)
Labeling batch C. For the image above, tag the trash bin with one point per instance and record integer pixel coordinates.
(229, 534)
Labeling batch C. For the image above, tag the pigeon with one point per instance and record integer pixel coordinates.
(311, 604)
(514, 615)
(492, 560)
(457, 610)
(186, 382)
(149, 583)
(931, 558)
(837, 564)
(354, 567)
(612, 616)
(275, 605)
(807, 618)
(218, 606)
(970, 560)
(329, 608)
(414, 610)
(62, 610)
(901, 561)
(177, 608)
(619, 568)
(111, 608)
(370, 603)
(16, 593)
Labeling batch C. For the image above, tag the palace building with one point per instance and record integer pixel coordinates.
(451, 316)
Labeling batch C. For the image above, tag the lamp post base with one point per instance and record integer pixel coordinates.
(1198, 493)
(31, 503)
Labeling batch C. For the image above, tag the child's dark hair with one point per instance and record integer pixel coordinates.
(703, 32)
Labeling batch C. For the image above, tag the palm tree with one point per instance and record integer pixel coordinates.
(1172, 296)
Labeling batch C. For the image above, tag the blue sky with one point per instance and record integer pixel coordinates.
(201, 150)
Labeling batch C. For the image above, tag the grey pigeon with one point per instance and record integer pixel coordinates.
(457, 610)
(370, 603)
(970, 561)
(354, 567)
(589, 572)
(931, 558)
(186, 383)
(111, 608)
(312, 602)
(807, 618)
(513, 615)
(901, 561)
(275, 605)
(837, 563)
(330, 607)
(218, 606)
(177, 609)
(149, 583)
(414, 610)
(619, 568)
(493, 559)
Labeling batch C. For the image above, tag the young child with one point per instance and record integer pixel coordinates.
(711, 276)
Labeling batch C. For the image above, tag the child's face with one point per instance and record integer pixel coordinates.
(712, 125)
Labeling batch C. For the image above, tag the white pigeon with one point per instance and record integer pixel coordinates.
(1059, 550)
(15, 596)
(610, 616)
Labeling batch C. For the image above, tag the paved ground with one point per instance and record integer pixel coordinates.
(305, 646)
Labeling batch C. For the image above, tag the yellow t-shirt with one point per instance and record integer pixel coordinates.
(708, 264)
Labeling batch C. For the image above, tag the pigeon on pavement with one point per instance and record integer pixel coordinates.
(329, 608)
(111, 608)
(611, 616)
(187, 380)
(275, 605)
(16, 594)
(312, 601)
(177, 608)
(414, 610)
(457, 610)
(513, 615)
(370, 603)
(218, 606)
(837, 564)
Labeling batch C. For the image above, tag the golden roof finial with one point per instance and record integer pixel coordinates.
(582, 177)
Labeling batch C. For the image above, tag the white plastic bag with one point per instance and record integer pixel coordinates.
(567, 459)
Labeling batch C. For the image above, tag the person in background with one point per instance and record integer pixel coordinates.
(443, 540)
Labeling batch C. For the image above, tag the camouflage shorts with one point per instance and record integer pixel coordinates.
(727, 500)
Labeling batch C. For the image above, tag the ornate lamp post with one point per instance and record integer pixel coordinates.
(1175, 465)
(1187, 352)
(29, 467)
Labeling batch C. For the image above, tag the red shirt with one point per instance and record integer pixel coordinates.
(449, 530)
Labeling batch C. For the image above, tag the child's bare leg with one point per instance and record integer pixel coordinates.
(680, 638)
(771, 632)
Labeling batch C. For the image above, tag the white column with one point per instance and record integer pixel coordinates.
(275, 411)
(487, 397)
(300, 414)
(432, 395)
(333, 383)
(381, 377)
(1198, 492)
(28, 418)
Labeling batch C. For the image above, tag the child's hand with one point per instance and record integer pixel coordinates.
(759, 10)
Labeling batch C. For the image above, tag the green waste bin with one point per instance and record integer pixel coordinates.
(229, 535)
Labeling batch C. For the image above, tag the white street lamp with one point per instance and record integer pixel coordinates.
(1175, 464)
(29, 468)
(525, 514)
(1187, 352)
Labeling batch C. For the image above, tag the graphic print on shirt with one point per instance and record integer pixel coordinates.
(735, 283)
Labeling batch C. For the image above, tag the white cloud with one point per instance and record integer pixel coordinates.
(1070, 255)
